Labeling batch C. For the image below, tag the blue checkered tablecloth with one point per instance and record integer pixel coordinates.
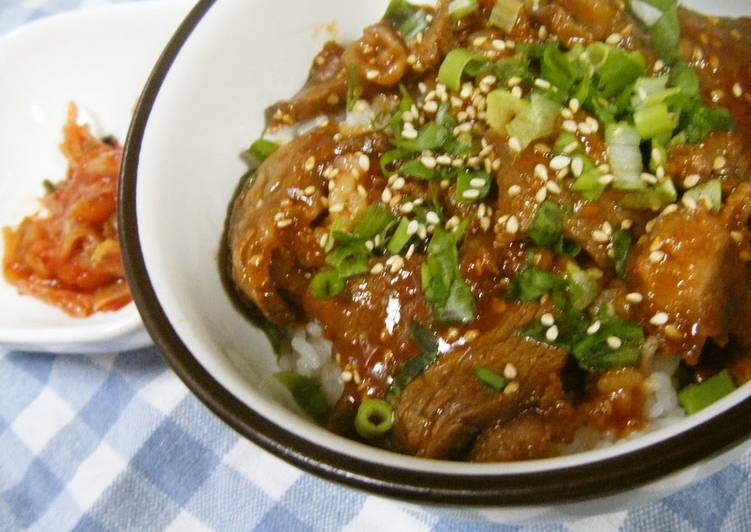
(116, 442)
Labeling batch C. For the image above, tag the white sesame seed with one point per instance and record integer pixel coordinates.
(661, 318)
(660, 172)
(551, 335)
(614, 38)
(377, 268)
(541, 171)
(574, 105)
(541, 194)
(571, 148)
(599, 236)
(346, 376)
(428, 162)
(553, 187)
(659, 65)
(409, 133)
(570, 125)
(542, 84)
(283, 223)
(431, 106)
(372, 74)
(670, 209)
(719, 162)
(499, 44)
(737, 90)
(567, 114)
(399, 183)
(657, 156)
(516, 92)
(514, 81)
(309, 190)
(593, 123)
(310, 163)
(542, 33)
(689, 203)
(369, 244)
(627, 224)
(512, 225)
(479, 41)
(547, 319)
(559, 162)
(412, 227)
(397, 264)
(515, 144)
(514, 190)
(577, 166)
(614, 342)
(592, 329)
(657, 256)
(485, 223)
(586, 128)
(432, 218)
(337, 207)
(510, 371)
(691, 180)
(634, 297)
(606, 179)
(471, 193)
(386, 195)
(477, 182)
(406, 208)
(737, 236)
(363, 162)
(443, 160)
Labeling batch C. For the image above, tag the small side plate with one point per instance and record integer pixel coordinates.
(100, 58)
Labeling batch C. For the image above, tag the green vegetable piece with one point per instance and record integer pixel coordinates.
(654, 120)
(461, 8)
(505, 13)
(588, 184)
(582, 287)
(373, 221)
(592, 351)
(430, 137)
(683, 77)
(700, 121)
(532, 283)
(619, 71)
(374, 418)
(653, 199)
(261, 149)
(696, 397)
(406, 18)
(547, 225)
(472, 186)
(49, 186)
(400, 238)
(428, 344)
(709, 193)
(502, 107)
(491, 379)
(354, 89)
(326, 285)
(558, 70)
(622, 240)
(350, 259)
(416, 169)
(624, 155)
(538, 122)
(666, 33)
(307, 394)
(445, 289)
(454, 65)
(388, 159)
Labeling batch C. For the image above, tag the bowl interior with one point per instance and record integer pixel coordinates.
(241, 56)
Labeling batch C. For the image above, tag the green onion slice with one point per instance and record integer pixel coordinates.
(453, 66)
(307, 394)
(374, 418)
(491, 379)
(696, 397)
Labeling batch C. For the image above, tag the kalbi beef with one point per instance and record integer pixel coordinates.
(699, 159)
(325, 92)
(441, 412)
(532, 434)
(436, 41)
(269, 257)
(689, 267)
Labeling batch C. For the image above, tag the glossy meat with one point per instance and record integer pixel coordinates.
(441, 412)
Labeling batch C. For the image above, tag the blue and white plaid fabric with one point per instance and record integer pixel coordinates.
(116, 442)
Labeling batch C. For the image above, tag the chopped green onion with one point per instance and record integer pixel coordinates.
(505, 13)
(657, 156)
(557, 69)
(654, 120)
(502, 107)
(622, 240)
(645, 12)
(49, 186)
(696, 397)
(652, 199)
(588, 184)
(461, 8)
(374, 418)
(349, 260)
(373, 221)
(326, 285)
(709, 192)
(307, 394)
(261, 149)
(547, 225)
(684, 77)
(445, 289)
(453, 66)
(354, 89)
(406, 18)
(538, 122)
(388, 158)
(625, 157)
(428, 344)
(531, 284)
(666, 33)
(619, 71)
(415, 168)
(472, 186)
(400, 238)
(491, 379)
(646, 87)
(582, 287)
(700, 121)
(597, 53)
(593, 353)
(430, 137)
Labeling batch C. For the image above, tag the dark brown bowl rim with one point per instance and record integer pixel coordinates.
(604, 477)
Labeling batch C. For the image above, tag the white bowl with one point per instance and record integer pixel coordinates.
(91, 57)
(204, 103)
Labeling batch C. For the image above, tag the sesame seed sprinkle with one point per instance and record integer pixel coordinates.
(719, 162)
(559, 162)
(515, 144)
(547, 319)
(634, 297)
(551, 335)
(691, 180)
(592, 329)
(737, 90)
(510, 371)
(657, 256)
(471, 193)
(661, 318)
(614, 342)
(512, 225)
(514, 190)
(372, 74)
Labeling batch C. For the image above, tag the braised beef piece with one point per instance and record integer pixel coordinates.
(440, 413)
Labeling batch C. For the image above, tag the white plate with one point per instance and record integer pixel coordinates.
(99, 58)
